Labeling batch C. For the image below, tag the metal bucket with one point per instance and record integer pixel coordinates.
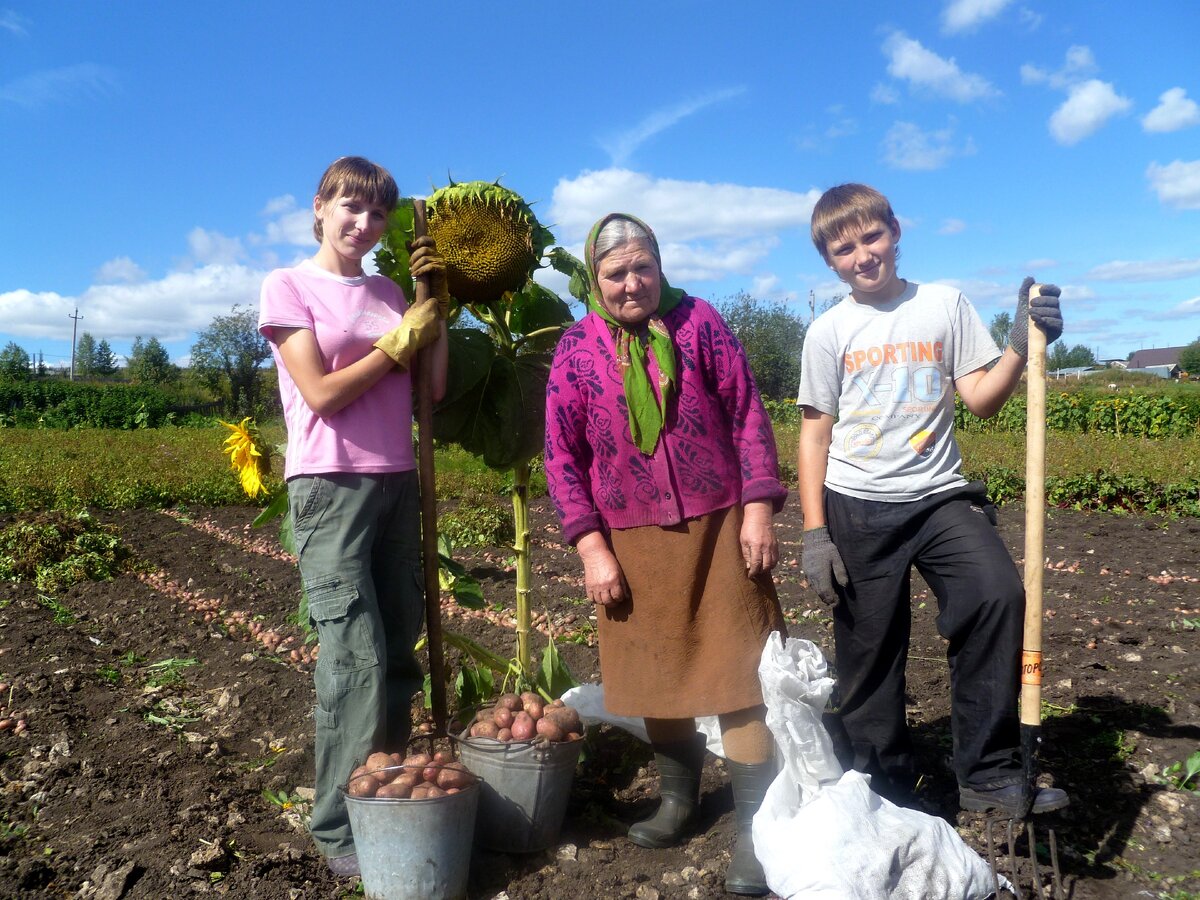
(526, 786)
(414, 849)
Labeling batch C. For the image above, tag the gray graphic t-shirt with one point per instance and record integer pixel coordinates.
(887, 373)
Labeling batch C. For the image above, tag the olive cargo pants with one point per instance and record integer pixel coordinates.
(359, 541)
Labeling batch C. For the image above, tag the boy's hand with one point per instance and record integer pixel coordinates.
(1045, 311)
(424, 259)
(823, 565)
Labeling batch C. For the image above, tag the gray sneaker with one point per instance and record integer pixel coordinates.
(1007, 799)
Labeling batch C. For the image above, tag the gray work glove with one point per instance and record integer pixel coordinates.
(823, 564)
(1045, 311)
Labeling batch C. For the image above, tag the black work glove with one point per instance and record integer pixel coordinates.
(823, 564)
(1045, 311)
(424, 259)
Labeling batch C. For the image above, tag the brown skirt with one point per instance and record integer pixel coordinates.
(688, 640)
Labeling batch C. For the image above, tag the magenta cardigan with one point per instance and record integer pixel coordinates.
(716, 447)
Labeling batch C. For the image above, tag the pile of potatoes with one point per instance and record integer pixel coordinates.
(527, 717)
(420, 776)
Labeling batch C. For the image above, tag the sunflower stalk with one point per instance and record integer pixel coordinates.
(520, 504)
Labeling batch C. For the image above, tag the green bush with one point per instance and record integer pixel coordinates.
(1131, 413)
(478, 524)
(51, 403)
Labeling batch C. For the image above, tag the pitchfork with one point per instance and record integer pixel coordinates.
(1031, 652)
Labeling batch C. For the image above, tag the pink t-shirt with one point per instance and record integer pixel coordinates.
(347, 316)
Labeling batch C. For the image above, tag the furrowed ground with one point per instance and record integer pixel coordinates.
(159, 724)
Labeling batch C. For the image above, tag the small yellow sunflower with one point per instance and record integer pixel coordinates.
(245, 457)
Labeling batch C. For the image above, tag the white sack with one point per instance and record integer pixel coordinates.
(588, 700)
(822, 834)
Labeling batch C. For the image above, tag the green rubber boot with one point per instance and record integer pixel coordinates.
(750, 783)
(679, 767)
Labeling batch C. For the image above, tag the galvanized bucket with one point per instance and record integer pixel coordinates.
(414, 849)
(526, 786)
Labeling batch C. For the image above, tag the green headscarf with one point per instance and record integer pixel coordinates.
(645, 414)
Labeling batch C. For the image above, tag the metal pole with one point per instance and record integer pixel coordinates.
(74, 327)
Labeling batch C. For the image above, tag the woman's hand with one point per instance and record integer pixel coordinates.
(760, 548)
(602, 575)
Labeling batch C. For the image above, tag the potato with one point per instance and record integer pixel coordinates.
(485, 714)
(556, 703)
(363, 786)
(523, 727)
(503, 717)
(377, 761)
(565, 717)
(426, 792)
(410, 777)
(395, 791)
(484, 730)
(504, 734)
(454, 775)
(397, 759)
(440, 760)
(550, 730)
(510, 701)
(418, 760)
(574, 736)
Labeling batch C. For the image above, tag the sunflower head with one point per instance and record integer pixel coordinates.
(245, 458)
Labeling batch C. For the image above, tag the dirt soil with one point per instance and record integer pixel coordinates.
(159, 736)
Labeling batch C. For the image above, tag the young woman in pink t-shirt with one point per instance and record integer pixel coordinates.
(343, 343)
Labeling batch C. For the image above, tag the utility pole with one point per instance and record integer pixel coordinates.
(74, 327)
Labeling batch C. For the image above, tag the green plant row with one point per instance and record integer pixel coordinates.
(109, 469)
(52, 403)
(1127, 414)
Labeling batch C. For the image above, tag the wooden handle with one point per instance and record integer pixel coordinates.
(429, 546)
(1035, 522)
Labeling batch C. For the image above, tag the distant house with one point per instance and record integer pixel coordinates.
(1159, 356)
(1164, 371)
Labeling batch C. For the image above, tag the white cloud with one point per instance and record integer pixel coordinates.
(705, 230)
(1088, 107)
(1185, 310)
(765, 286)
(953, 226)
(906, 146)
(621, 147)
(967, 15)
(1177, 183)
(925, 71)
(1145, 270)
(1035, 264)
(52, 85)
(1175, 110)
(676, 210)
(11, 22)
(121, 269)
(214, 247)
(289, 224)
(885, 95)
(1078, 65)
(171, 308)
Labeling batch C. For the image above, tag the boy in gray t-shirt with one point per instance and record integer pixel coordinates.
(881, 490)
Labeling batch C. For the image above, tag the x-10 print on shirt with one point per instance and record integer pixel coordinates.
(886, 372)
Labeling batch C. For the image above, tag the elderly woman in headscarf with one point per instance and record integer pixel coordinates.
(662, 466)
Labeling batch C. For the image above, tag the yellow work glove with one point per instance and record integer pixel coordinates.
(419, 328)
(423, 259)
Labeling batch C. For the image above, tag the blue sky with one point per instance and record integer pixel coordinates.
(156, 160)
